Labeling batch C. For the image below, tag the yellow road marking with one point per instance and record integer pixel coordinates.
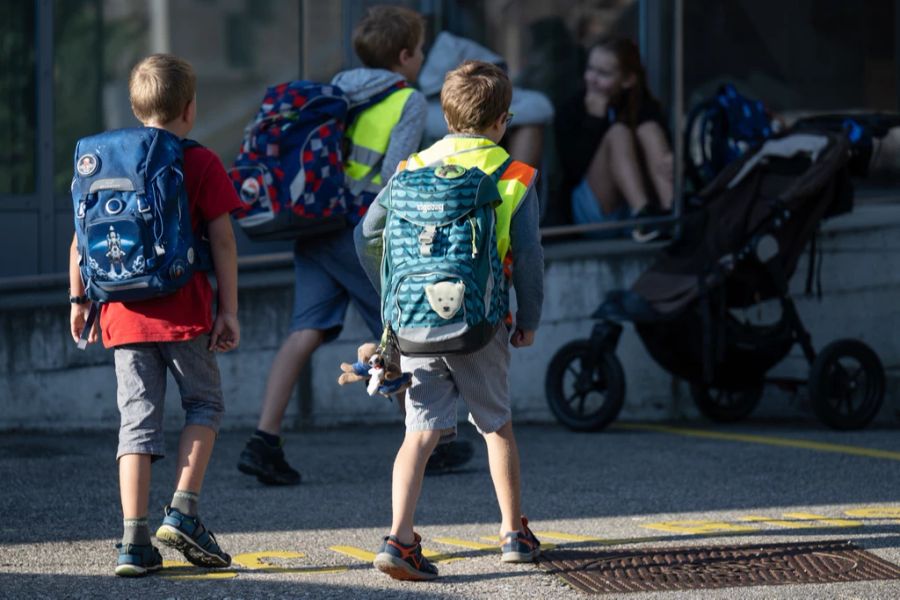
(569, 537)
(255, 562)
(823, 519)
(779, 522)
(182, 571)
(696, 527)
(875, 512)
(452, 541)
(767, 440)
(544, 545)
(354, 552)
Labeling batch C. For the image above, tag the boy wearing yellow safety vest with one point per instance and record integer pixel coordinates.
(388, 41)
(475, 100)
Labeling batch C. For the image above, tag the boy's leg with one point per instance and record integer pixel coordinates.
(289, 362)
(320, 303)
(141, 384)
(400, 554)
(430, 415)
(197, 375)
(503, 459)
(406, 484)
(482, 379)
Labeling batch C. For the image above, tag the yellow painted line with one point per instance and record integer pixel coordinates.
(767, 440)
(354, 552)
(254, 560)
(569, 537)
(452, 541)
(440, 556)
(875, 512)
(823, 519)
(544, 545)
(699, 527)
(779, 522)
(182, 571)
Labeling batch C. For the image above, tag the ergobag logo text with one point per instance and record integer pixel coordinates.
(132, 220)
(442, 282)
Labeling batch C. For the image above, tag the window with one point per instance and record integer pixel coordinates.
(18, 122)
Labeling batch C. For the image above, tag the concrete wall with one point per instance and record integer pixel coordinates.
(45, 382)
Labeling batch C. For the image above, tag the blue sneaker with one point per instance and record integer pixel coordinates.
(136, 560)
(404, 562)
(189, 536)
(520, 546)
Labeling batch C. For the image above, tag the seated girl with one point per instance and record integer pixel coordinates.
(613, 144)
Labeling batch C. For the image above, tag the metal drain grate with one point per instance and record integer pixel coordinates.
(667, 569)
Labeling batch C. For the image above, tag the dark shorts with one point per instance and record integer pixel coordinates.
(327, 276)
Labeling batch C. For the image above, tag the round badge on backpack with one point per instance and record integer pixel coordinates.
(87, 165)
(449, 172)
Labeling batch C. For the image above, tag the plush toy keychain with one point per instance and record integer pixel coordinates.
(382, 369)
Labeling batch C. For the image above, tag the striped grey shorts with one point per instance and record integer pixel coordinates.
(479, 379)
(141, 391)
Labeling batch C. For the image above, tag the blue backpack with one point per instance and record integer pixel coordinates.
(720, 130)
(289, 173)
(132, 221)
(442, 285)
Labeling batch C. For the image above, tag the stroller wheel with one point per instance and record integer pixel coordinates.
(726, 405)
(846, 384)
(585, 398)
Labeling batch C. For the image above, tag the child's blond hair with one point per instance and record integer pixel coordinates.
(384, 32)
(474, 96)
(161, 86)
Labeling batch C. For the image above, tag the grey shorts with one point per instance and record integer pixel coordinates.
(141, 391)
(481, 380)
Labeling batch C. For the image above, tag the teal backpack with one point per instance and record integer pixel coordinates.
(442, 282)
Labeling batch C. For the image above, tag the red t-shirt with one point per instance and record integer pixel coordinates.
(186, 313)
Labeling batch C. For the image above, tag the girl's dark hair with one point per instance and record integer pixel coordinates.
(629, 101)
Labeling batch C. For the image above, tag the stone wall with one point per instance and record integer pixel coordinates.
(45, 382)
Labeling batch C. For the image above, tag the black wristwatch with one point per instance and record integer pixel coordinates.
(83, 299)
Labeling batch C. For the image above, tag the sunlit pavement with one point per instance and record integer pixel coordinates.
(633, 486)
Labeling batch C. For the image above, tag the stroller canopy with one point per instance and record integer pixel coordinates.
(780, 192)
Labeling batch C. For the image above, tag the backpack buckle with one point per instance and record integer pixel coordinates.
(426, 239)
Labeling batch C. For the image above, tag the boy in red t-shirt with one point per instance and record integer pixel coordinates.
(174, 332)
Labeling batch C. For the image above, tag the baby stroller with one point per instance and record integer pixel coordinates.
(738, 250)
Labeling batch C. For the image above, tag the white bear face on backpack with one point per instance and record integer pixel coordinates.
(446, 297)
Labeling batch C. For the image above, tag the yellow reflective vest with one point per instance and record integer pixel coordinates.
(481, 152)
(369, 135)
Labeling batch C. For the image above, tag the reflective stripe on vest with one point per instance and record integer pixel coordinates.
(369, 137)
(481, 152)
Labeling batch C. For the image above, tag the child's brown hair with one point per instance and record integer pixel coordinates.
(384, 32)
(474, 96)
(160, 87)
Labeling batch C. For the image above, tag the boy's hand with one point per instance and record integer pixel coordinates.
(77, 318)
(226, 333)
(521, 338)
(363, 354)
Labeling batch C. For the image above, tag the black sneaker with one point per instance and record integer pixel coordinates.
(450, 456)
(267, 463)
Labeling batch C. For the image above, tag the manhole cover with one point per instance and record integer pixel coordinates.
(664, 569)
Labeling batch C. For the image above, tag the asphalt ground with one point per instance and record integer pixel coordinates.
(631, 487)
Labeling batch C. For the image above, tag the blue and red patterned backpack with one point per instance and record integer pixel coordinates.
(289, 173)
